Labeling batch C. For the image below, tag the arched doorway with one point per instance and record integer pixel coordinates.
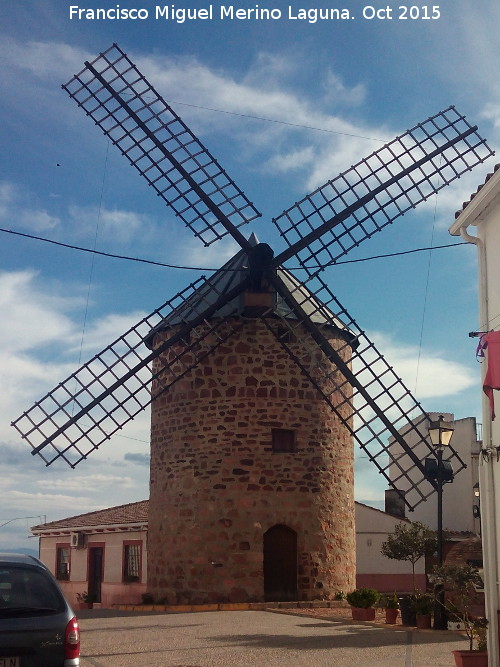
(280, 564)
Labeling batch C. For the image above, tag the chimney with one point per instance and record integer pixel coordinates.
(394, 503)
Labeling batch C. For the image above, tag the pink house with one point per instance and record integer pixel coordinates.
(103, 553)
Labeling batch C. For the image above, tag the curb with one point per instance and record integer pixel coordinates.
(232, 606)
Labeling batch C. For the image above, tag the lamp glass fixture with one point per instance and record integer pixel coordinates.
(440, 432)
(476, 489)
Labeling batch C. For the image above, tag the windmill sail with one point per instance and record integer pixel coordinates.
(155, 140)
(337, 217)
(363, 390)
(108, 391)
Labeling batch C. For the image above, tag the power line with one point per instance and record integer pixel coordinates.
(280, 122)
(269, 120)
(199, 268)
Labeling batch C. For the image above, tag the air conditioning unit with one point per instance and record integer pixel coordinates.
(77, 540)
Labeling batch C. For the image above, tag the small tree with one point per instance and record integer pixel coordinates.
(460, 583)
(410, 542)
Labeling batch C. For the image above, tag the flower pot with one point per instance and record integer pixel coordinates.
(408, 615)
(361, 614)
(85, 605)
(423, 621)
(456, 625)
(471, 658)
(391, 616)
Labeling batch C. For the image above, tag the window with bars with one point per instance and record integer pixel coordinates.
(132, 552)
(62, 562)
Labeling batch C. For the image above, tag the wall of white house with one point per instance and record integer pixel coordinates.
(483, 211)
(374, 570)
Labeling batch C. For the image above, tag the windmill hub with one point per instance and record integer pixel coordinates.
(259, 261)
(260, 257)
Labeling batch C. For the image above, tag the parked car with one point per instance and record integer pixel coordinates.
(38, 628)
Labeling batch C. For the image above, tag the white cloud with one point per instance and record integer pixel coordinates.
(17, 209)
(36, 317)
(45, 60)
(91, 483)
(116, 225)
(491, 112)
(429, 374)
(213, 256)
(338, 92)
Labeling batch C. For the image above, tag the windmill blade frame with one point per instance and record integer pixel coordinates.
(161, 147)
(349, 209)
(364, 391)
(108, 391)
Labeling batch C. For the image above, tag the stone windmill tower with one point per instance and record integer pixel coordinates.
(252, 490)
(260, 383)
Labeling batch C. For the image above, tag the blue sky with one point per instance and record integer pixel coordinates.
(334, 91)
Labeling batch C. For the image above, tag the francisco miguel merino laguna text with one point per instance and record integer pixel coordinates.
(208, 13)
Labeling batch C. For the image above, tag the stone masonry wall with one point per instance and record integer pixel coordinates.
(217, 486)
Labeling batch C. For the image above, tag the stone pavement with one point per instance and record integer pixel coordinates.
(113, 638)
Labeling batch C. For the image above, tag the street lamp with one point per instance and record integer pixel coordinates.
(476, 508)
(440, 433)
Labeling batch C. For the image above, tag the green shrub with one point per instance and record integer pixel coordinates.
(389, 602)
(423, 604)
(363, 598)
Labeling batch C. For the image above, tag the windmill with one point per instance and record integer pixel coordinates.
(158, 360)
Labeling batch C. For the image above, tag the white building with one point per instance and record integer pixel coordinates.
(373, 569)
(483, 213)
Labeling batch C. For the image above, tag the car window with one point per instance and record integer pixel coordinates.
(28, 588)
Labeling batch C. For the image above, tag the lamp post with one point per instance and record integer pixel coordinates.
(440, 433)
(476, 508)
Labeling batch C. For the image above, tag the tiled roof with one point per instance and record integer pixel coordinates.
(465, 550)
(122, 514)
(466, 203)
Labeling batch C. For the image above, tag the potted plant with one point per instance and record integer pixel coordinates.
(423, 605)
(407, 607)
(461, 596)
(391, 605)
(85, 600)
(363, 601)
(409, 542)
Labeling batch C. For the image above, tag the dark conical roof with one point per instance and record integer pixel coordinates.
(228, 277)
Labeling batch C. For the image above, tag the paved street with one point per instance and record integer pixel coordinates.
(265, 639)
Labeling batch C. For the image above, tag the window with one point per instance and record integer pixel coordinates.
(29, 590)
(62, 562)
(132, 552)
(283, 440)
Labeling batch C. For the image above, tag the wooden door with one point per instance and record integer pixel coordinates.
(96, 557)
(280, 564)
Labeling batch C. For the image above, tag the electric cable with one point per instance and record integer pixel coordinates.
(153, 262)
